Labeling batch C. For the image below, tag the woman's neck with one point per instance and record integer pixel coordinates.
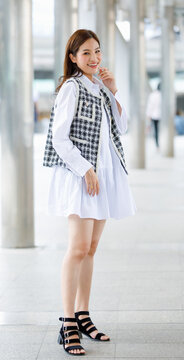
(90, 77)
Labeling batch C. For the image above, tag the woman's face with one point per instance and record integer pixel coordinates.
(88, 57)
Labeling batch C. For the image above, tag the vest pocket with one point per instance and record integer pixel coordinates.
(86, 110)
(82, 141)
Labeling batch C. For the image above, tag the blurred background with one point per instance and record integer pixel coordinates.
(142, 43)
(139, 280)
(84, 15)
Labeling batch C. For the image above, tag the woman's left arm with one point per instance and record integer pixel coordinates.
(119, 112)
(118, 104)
(118, 109)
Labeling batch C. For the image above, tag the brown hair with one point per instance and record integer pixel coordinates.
(72, 46)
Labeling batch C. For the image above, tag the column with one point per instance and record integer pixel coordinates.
(17, 125)
(105, 30)
(88, 8)
(137, 85)
(168, 72)
(66, 22)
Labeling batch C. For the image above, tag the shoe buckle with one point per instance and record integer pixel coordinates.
(67, 341)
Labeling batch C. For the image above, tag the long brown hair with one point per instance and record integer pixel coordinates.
(72, 46)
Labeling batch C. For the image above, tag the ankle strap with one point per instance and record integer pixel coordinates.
(82, 313)
(67, 319)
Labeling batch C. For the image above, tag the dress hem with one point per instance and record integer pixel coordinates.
(50, 213)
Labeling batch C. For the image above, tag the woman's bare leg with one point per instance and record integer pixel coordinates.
(85, 275)
(80, 235)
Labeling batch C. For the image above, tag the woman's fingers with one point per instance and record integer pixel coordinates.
(97, 188)
(91, 182)
(106, 75)
(93, 189)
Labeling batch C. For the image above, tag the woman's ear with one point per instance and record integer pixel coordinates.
(72, 58)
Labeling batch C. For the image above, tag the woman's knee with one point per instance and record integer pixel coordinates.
(93, 247)
(79, 252)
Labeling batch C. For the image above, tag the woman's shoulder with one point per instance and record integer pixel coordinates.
(68, 89)
(68, 84)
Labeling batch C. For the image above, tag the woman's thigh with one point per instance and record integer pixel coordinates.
(98, 228)
(80, 232)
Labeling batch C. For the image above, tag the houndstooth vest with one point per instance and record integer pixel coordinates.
(85, 130)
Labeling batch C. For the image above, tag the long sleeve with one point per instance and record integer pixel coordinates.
(64, 113)
(121, 120)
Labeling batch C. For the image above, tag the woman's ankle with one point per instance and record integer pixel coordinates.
(69, 315)
(81, 308)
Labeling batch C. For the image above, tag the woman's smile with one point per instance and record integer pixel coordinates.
(93, 65)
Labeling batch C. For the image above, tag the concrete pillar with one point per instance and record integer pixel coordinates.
(105, 30)
(88, 8)
(137, 85)
(168, 72)
(122, 69)
(17, 125)
(66, 22)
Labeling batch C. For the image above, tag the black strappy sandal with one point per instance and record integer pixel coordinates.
(83, 328)
(71, 330)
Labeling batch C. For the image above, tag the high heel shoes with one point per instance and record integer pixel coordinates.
(84, 328)
(67, 331)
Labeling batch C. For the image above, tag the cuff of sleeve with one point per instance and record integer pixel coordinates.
(82, 168)
(121, 120)
(118, 98)
(86, 166)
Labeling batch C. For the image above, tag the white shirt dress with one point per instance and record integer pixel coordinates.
(67, 189)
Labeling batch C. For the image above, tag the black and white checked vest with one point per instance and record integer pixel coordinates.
(85, 130)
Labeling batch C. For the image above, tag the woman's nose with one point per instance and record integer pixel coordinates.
(94, 58)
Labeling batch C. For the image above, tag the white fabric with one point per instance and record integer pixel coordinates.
(67, 191)
(153, 109)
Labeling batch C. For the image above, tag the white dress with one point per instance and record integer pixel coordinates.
(67, 190)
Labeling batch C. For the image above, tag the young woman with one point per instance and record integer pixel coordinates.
(89, 180)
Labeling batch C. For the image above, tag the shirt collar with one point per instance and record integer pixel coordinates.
(93, 85)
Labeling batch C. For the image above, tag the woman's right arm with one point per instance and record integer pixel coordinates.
(69, 153)
(64, 113)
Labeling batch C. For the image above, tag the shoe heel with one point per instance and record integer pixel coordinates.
(60, 340)
(80, 334)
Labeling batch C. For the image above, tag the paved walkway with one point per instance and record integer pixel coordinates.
(138, 285)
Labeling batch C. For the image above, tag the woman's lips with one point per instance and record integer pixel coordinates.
(93, 66)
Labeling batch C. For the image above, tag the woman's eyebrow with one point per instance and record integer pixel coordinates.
(89, 49)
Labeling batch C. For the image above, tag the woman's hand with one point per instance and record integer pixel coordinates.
(92, 182)
(108, 79)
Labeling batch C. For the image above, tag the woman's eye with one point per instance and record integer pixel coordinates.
(86, 53)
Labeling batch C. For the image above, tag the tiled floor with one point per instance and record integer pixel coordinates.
(138, 286)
